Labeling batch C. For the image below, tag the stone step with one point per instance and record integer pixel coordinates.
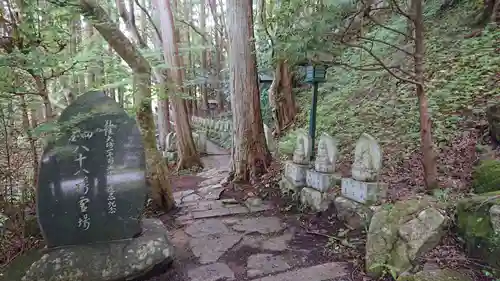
(322, 272)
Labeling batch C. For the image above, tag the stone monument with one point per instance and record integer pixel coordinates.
(91, 194)
(364, 188)
(295, 170)
(322, 178)
(170, 152)
(271, 144)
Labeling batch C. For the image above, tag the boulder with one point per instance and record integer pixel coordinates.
(352, 213)
(486, 177)
(416, 237)
(391, 240)
(477, 222)
(436, 275)
(493, 116)
(112, 261)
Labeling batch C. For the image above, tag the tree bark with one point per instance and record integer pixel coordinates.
(188, 156)
(157, 176)
(251, 156)
(281, 97)
(429, 159)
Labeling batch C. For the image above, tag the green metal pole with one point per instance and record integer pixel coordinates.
(312, 118)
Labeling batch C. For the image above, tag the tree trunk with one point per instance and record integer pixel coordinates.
(251, 156)
(429, 161)
(188, 156)
(28, 130)
(204, 67)
(281, 97)
(157, 176)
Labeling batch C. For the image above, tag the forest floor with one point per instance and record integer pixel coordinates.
(222, 231)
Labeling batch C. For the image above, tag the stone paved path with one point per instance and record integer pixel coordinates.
(221, 239)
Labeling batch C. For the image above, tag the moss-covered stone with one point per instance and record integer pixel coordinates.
(436, 275)
(474, 226)
(486, 177)
(383, 232)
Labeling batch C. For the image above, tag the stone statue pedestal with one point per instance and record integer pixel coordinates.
(294, 178)
(322, 181)
(363, 192)
(116, 260)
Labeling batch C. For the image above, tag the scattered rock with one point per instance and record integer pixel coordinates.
(352, 213)
(263, 225)
(211, 272)
(261, 264)
(210, 248)
(119, 260)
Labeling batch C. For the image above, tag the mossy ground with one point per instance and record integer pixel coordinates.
(487, 177)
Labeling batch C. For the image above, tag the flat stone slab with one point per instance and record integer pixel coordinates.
(211, 272)
(236, 210)
(263, 225)
(210, 248)
(257, 205)
(322, 272)
(216, 179)
(279, 243)
(203, 228)
(208, 188)
(213, 194)
(191, 198)
(179, 194)
(261, 264)
(117, 260)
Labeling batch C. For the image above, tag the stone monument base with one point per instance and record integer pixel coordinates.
(363, 192)
(115, 260)
(296, 173)
(322, 181)
(316, 200)
(352, 213)
(289, 187)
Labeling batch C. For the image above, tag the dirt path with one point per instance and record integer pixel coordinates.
(222, 239)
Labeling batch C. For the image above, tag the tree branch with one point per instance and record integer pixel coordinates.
(400, 10)
(382, 64)
(390, 28)
(130, 22)
(193, 27)
(53, 74)
(157, 31)
(386, 43)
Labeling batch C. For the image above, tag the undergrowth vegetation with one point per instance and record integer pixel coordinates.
(462, 76)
